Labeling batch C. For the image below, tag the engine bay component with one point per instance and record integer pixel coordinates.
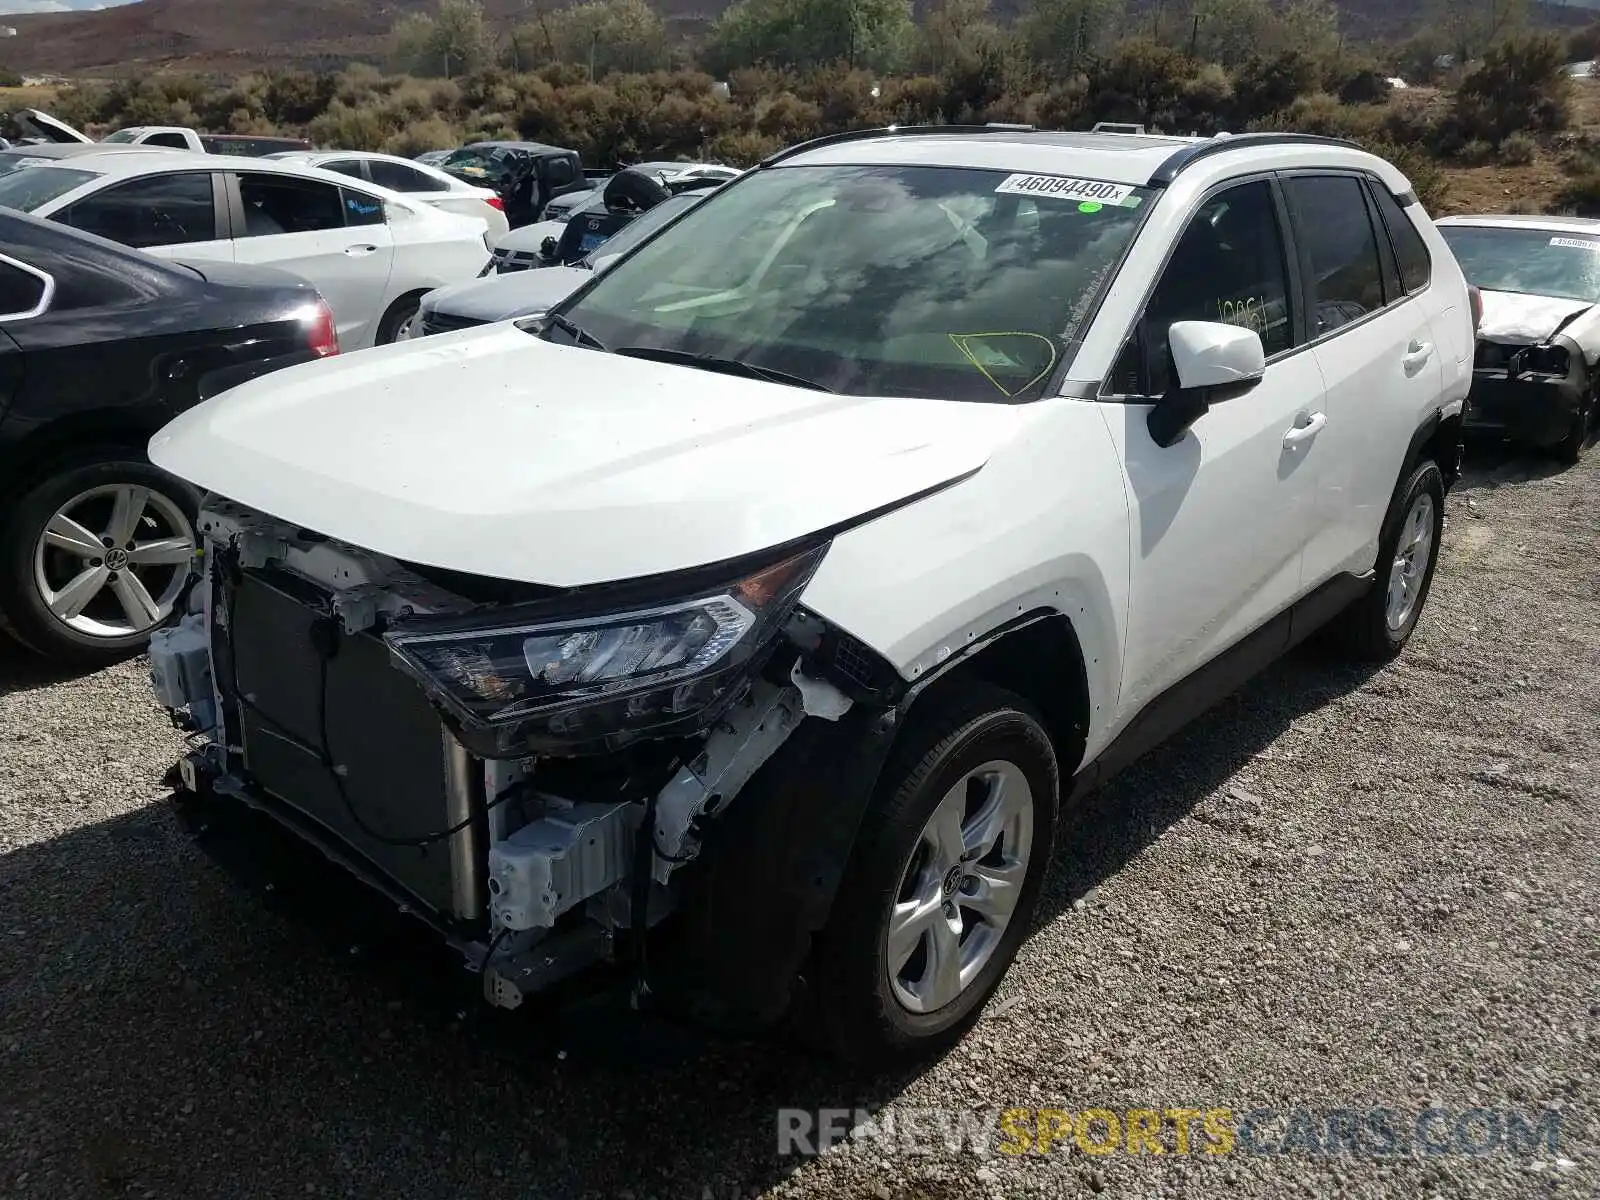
(180, 670)
(555, 863)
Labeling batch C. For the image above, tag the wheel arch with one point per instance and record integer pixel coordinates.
(26, 460)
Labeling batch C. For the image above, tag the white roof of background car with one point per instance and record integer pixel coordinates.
(313, 157)
(1115, 157)
(1553, 224)
(112, 164)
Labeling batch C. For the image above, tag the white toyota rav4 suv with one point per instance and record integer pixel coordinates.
(775, 592)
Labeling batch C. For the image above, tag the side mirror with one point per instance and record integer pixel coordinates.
(547, 249)
(1210, 362)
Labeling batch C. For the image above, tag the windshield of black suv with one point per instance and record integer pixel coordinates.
(945, 282)
(1538, 262)
(27, 186)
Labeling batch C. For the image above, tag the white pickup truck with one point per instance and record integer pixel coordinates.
(43, 127)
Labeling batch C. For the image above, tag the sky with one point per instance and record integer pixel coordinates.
(20, 7)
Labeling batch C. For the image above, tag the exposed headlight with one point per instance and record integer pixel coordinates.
(1541, 360)
(548, 680)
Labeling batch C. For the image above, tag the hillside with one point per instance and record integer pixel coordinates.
(241, 34)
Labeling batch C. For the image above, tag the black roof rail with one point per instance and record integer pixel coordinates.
(856, 135)
(1179, 160)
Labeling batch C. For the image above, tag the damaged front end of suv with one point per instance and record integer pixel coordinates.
(532, 771)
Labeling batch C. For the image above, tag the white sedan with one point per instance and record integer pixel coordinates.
(372, 253)
(413, 179)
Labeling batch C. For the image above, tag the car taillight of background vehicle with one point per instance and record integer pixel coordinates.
(323, 331)
(495, 202)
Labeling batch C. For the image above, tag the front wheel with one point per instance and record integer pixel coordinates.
(94, 556)
(943, 882)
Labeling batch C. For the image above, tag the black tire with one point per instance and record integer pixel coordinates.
(1362, 631)
(854, 1010)
(1569, 450)
(634, 189)
(401, 311)
(26, 516)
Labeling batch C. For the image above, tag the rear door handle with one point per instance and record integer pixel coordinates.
(358, 251)
(1306, 427)
(1417, 353)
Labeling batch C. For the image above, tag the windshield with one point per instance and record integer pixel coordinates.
(911, 281)
(28, 186)
(121, 135)
(642, 226)
(475, 163)
(1538, 262)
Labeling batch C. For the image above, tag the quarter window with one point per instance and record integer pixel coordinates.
(20, 292)
(158, 210)
(1416, 268)
(1227, 267)
(1341, 250)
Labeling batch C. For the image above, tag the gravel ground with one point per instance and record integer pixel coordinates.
(1341, 889)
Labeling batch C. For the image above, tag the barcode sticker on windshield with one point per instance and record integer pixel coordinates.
(1059, 187)
(1576, 244)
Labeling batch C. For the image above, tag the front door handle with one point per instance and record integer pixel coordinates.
(1306, 427)
(1417, 353)
(359, 251)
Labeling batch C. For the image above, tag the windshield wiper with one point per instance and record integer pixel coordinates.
(575, 332)
(727, 366)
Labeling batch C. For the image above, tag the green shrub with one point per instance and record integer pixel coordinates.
(1521, 85)
(1518, 150)
(1581, 196)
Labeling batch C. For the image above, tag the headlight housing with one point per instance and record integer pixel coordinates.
(1541, 360)
(535, 679)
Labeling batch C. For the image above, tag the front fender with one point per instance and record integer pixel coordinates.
(1043, 525)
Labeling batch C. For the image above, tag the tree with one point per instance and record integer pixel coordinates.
(1229, 31)
(1068, 34)
(1470, 27)
(455, 41)
(609, 35)
(806, 33)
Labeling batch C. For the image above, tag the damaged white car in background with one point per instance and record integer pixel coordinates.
(744, 620)
(1536, 377)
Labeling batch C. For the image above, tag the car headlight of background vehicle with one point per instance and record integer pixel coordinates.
(1542, 360)
(532, 680)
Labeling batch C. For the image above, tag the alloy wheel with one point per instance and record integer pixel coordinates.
(1412, 554)
(113, 560)
(960, 887)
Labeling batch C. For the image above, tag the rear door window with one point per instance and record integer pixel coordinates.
(398, 177)
(157, 210)
(1335, 231)
(275, 204)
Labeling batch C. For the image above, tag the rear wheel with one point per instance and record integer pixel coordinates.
(399, 323)
(1378, 625)
(944, 878)
(94, 557)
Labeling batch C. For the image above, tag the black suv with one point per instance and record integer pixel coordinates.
(100, 346)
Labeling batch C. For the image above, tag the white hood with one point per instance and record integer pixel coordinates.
(494, 453)
(1515, 318)
(501, 297)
